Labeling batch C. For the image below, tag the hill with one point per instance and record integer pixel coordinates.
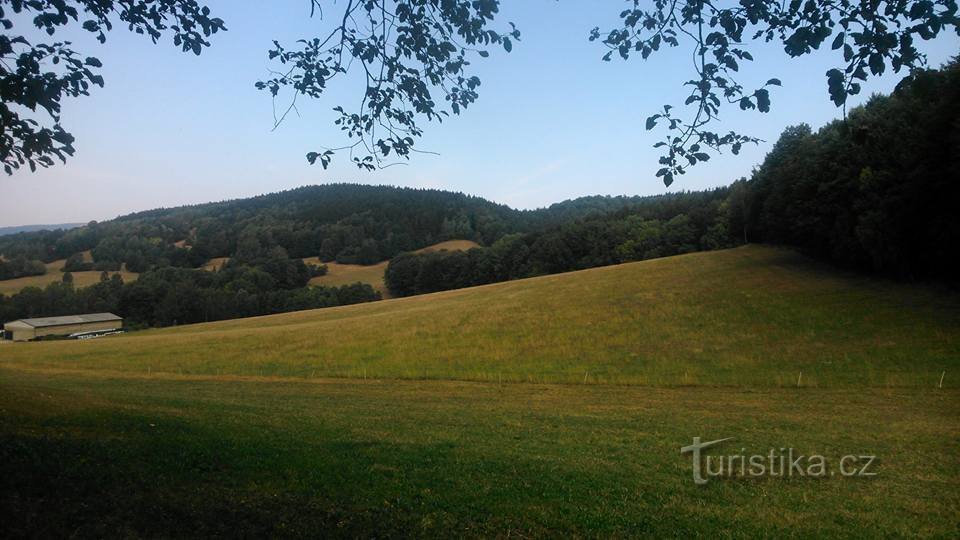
(754, 316)
(33, 228)
(237, 427)
(344, 223)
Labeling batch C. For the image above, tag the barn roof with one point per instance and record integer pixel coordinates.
(70, 319)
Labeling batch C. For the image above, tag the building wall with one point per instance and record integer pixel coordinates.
(19, 331)
(22, 334)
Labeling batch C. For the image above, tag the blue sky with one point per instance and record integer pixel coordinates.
(553, 122)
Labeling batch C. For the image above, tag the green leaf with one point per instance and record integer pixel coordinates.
(838, 41)
(876, 64)
(763, 100)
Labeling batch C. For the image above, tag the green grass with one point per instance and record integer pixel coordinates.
(99, 455)
(544, 407)
(753, 316)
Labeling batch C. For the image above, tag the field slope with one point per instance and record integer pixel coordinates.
(542, 407)
(752, 316)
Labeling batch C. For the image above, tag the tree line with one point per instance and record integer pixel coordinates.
(21, 266)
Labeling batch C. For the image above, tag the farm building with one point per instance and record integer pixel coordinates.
(27, 329)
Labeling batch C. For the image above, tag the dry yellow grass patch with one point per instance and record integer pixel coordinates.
(345, 274)
(215, 263)
(450, 245)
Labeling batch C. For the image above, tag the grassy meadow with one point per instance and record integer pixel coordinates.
(548, 406)
(746, 317)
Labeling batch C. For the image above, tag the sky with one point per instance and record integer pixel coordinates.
(553, 121)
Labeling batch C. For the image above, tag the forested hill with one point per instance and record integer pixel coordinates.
(4, 231)
(346, 223)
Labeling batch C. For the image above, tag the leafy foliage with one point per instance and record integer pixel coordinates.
(409, 51)
(872, 35)
(35, 77)
(414, 57)
(21, 266)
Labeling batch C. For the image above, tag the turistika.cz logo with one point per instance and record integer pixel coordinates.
(782, 462)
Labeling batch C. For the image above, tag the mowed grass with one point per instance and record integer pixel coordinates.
(372, 274)
(55, 275)
(554, 406)
(748, 317)
(105, 455)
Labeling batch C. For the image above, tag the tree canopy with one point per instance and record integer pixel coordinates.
(36, 76)
(416, 57)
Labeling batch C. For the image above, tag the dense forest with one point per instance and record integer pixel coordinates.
(875, 192)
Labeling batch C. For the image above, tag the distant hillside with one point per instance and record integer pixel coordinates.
(4, 231)
(345, 223)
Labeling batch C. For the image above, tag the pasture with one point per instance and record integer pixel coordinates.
(747, 317)
(554, 405)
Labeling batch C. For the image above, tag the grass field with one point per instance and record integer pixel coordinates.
(345, 274)
(532, 408)
(751, 316)
(55, 275)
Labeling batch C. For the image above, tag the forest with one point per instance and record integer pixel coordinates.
(874, 192)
